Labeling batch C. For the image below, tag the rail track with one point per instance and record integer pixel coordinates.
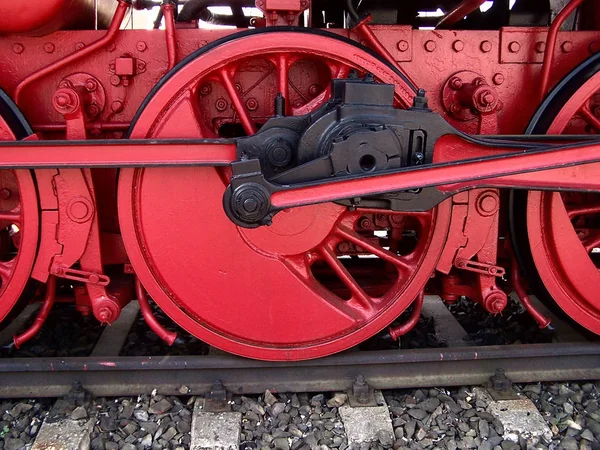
(575, 358)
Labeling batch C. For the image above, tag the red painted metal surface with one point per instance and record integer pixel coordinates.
(323, 277)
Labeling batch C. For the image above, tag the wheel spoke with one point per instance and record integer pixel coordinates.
(6, 268)
(589, 116)
(382, 253)
(283, 79)
(10, 216)
(238, 104)
(584, 210)
(592, 241)
(358, 294)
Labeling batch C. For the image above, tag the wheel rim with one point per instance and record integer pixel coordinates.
(564, 228)
(19, 221)
(302, 288)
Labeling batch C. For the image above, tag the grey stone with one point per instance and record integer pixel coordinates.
(277, 409)
(269, 398)
(337, 400)
(79, 413)
(160, 407)
(430, 404)
(281, 443)
(140, 415)
(417, 413)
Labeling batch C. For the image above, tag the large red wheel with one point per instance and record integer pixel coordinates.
(564, 228)
(19, 216)
(319, 280)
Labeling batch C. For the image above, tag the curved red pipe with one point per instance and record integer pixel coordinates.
(542, 320)
(551, 44)
(114, 27)
(42, 315)
(170, 32)
(462, 10)
(401, 330)
(166, 335)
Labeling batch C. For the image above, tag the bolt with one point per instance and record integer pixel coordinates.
(92, 110)
(104, 314)
(495, 302)
(487, 98)
(48, 47)
(478, 81)
(116, 106)
(514, 47)
(313, 90)
(498, 79)
(111, 47)
(540, 47)
(402, 45)
(5, 193)
(455, 108)
(567, 46)
(141, 66)
(456, 83)
(238, 87)
(458, 45)
(221, 104)
(486, 46)
(115, 80)
(252, 104)
(205, 89)
(91, 85)
(141, 46)
(430, 46)
(62, 100)
(79, 46)
(18, 48)
(65, 84)
(250, 205)
(111, 66)
(365, 222)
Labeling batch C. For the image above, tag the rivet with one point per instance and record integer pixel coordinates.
(567, 46)
(540, 47)
(141, 46)
(116, 106)
(252, 104)
(49, 47)
(205, 89)
(18, 48)
(430, 46)
(514, 47)
(498, 79)
(115, 80)
(458, 46)
(402, 45)
(221, 104)
(594, 47)
(486, 46)
(79, 46)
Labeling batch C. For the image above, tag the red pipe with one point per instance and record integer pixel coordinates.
(542, 320)
(114, 27)
(401, 330)
(42, 315)
(458, 13)
(551, 44)
(166, 335)
(170, 33)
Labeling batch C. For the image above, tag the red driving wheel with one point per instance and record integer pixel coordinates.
(19, 217)
(321, 278)
(564, 228)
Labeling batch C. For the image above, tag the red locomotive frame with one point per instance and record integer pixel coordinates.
(119, 146)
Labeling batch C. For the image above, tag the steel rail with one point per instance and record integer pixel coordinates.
(388, 369)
